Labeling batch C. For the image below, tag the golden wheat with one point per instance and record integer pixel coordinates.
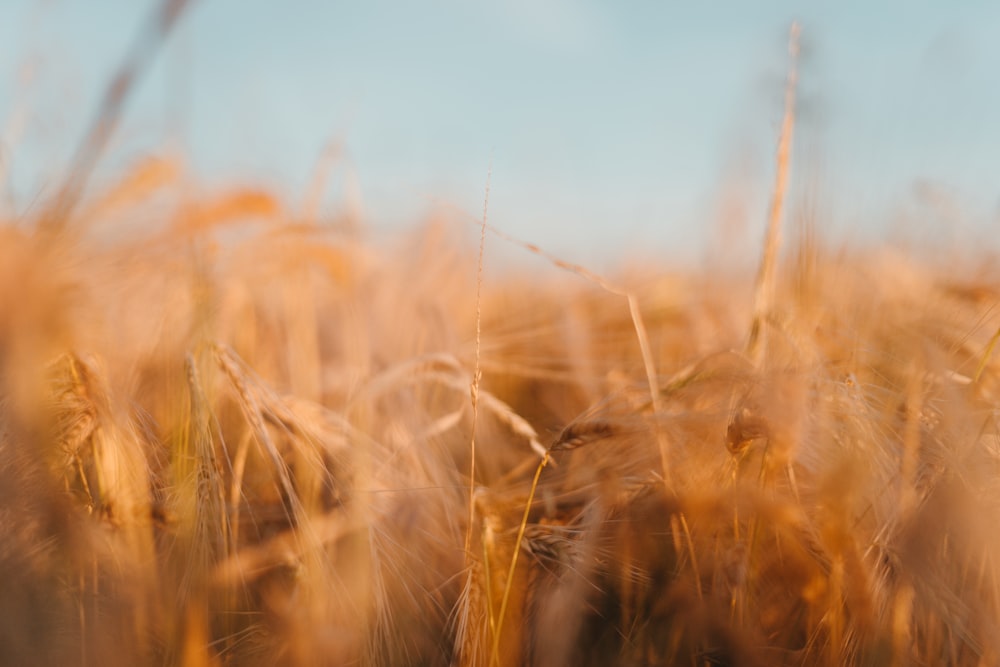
(237, 436)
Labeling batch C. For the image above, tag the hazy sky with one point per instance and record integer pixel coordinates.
(610, 125)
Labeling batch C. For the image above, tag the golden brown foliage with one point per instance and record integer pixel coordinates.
(233, 438)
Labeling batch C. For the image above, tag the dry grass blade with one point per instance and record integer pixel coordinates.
(477, 373)
(987, 353)
(103, 126)
(509, 581)
(332, 153)
(764, 290)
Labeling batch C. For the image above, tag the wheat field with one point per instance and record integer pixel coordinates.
(236, 436)
(235, 433)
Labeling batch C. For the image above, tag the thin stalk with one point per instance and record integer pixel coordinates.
(513, 561)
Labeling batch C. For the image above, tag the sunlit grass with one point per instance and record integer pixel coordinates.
(253, 448)
(238, 434)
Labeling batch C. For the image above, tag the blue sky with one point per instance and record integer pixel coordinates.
(612, 127)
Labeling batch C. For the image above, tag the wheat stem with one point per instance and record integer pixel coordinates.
(764, 290)
(477, 374)
(513, 560)
(987, 353)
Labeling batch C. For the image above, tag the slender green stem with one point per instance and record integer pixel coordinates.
(513, 561)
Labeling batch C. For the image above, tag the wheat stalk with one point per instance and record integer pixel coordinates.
(477, 373)
(765, 289)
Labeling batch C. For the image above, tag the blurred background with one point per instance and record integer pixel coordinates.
(613, 129)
